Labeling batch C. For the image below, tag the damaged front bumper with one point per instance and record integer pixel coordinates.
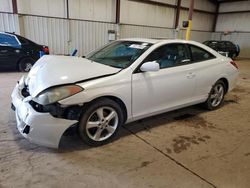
(39, 128)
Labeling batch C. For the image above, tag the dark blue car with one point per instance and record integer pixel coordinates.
(19, 53)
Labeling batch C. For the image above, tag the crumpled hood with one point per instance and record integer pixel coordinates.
(53, 70)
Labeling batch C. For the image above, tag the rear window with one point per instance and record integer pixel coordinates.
(8, 40)
(22, 40)
(211, 44)
(199, 54)
(230, 44)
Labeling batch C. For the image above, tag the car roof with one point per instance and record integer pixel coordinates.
(155, 41)
(146, 40)
(8, 33)
(19, 37)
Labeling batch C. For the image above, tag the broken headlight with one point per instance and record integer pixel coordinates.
(57, 93)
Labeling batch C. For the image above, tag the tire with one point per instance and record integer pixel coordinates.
(25, 64)
(100, 122)
(216, 96)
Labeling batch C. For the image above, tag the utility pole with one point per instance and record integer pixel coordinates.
(190, 16)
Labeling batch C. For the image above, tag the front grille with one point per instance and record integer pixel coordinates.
(25, 91)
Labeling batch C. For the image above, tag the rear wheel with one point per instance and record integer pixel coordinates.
(25, 64)
(100, 122)
(216, 96)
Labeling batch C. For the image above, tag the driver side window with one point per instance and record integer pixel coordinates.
(169, 55)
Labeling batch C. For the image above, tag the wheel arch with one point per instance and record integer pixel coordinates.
(115, 99)
(226, 83)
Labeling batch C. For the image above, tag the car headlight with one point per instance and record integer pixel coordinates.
(56, 94)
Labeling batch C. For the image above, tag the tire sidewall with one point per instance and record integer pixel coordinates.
(87, 112)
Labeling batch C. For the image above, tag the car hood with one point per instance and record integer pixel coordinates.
(53, 70)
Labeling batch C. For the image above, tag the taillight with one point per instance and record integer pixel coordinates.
(46, 50)
(234, 64)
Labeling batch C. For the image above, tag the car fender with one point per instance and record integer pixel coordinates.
(113, 86)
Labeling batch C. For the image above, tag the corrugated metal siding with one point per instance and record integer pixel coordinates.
(97, 10)
(128, 31)
(87, 36)
(9, 23)
(200, 21)
(6, 6)
(233, 22)
(153, 32)
(53, 8)
(201, 4)
(200, 36)
(48, 31)
(234, 6)
(146, 14)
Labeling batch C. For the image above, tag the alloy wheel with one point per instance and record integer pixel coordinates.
(217, 95)
(102, 123)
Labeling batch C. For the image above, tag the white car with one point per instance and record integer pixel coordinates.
(122, 82)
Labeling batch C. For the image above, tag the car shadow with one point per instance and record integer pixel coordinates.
(72, 141)
(8, 71)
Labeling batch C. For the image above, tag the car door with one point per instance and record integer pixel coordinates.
(10, 49)
(206, 68)
(171, 86)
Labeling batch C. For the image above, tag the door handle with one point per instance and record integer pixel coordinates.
(190, 75)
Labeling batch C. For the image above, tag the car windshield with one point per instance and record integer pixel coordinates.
(119, 54)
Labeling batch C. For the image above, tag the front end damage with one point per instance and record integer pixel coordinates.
(41, 124)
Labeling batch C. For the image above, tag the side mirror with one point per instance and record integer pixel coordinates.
(151, 66)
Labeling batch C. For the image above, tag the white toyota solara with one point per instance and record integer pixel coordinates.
(124, 81)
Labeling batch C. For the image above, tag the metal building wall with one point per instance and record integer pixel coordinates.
(233, 22)
(234, 6)
(201, 21)
(6, 5)
(200, 4)
(141, 19)
(200, 36)
(97, 10)
(237, 24)
(87, 36)
(48, 31)
(9, 23)
(53, 8)
(140, 13)
(63, 35)
(129, 31)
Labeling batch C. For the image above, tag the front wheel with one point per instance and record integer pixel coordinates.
(100, 122)
(216, 96)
